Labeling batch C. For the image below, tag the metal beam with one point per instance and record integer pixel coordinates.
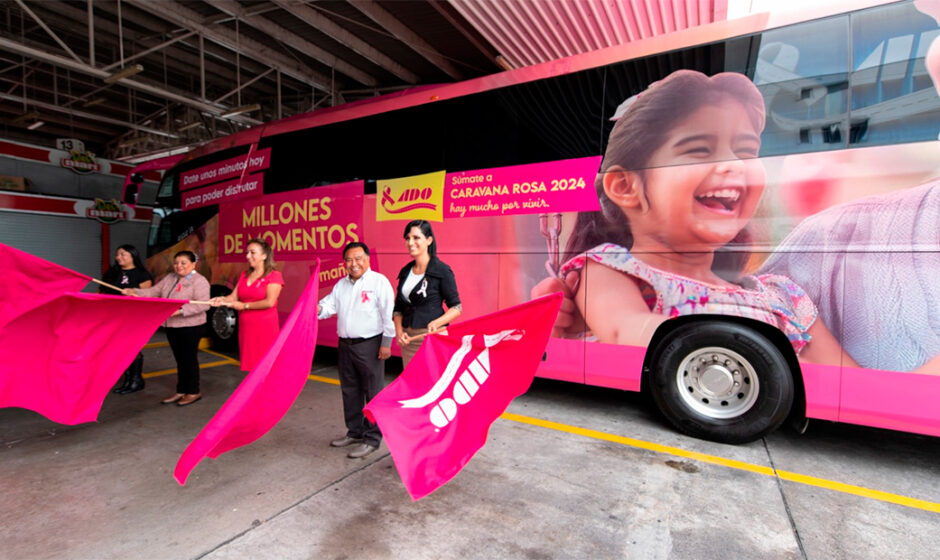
(46, 28)
(129, 83)
(322, 23)
(184, 17)
(293, 40)
(401, 32)
(83, 115)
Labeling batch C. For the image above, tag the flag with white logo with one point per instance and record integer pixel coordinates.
(438, 412)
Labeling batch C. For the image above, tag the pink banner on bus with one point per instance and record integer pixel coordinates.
(555, 186)
(298, 224)
(226, 169)
(251, 186)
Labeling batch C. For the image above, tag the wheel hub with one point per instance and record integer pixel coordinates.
(717, 382)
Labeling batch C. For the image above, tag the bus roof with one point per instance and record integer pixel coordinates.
(421, 95)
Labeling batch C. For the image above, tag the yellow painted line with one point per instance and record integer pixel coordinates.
(204, 343)
(322, 379)
(223, 356)
(731, 463)
(158, 373)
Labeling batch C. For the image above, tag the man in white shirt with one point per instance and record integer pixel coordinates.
(363, 302)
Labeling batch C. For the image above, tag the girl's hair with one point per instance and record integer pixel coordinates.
(135, 255)
(188, 254)
(641, 130)
(266, 247)
(425, 228)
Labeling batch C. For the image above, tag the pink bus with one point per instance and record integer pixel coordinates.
(745, 216)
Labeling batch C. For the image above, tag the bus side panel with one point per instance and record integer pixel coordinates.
(890, 399)
(821, 385)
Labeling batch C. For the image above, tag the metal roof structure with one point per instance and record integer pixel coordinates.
(136, 77)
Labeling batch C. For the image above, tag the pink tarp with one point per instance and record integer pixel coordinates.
(437, 414)
(267, 392)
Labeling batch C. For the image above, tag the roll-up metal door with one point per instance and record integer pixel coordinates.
(71, 242)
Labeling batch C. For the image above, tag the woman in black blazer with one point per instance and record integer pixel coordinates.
(424, 286)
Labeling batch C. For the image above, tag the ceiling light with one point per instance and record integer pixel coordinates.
(93, 102)
(35, 125)
(189, 126)
(239, 110)
(125, 72)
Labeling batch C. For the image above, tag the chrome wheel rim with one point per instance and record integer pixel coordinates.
(223, 322)
(717, 382)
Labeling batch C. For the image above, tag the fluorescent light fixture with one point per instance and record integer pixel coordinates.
(239, 110)
(125, 72)
(189, 126)
(35, 125)
(93, 102)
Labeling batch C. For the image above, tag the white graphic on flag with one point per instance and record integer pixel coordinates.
(467, 385)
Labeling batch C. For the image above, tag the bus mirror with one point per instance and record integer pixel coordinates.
(131, 188)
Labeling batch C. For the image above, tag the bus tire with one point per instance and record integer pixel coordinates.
(721, 381)
(222, 323)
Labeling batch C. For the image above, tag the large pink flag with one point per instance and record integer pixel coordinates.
(28, 282)
(268, 390)
(60, 358)
(438, 412)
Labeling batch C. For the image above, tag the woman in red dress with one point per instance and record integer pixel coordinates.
(255, 298)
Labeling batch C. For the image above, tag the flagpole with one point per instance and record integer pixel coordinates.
(106, 285)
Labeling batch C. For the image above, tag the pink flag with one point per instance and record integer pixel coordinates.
(438, 412)
(61, 358)
(268, 390)
(28, 282)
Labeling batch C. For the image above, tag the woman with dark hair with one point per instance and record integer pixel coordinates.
(255, 299)
(185, 327)
(128, 271)
(425, 285)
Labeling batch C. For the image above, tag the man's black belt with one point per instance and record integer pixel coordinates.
(354, 341)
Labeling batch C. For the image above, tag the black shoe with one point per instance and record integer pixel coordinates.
(132, 387)
(123, 387)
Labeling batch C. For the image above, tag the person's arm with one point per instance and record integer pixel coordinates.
(145, 284)
(931, 366)
(445, 319)
(615, 311)
(201, 292)
(219, 301)
(569, 321)
(451, 299)
(400, 333)
(386, 301)
(326, 308)
(150, 291)
(271, 293)
(823, 348)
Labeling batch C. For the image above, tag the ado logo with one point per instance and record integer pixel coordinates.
(460, 385)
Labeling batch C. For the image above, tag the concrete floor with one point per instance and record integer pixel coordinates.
(105, 490)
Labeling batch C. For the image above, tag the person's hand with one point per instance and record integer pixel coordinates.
(385, 353)
(403, 339)
(237, 305)
(569, 320)
(129, 291)
(433, 326)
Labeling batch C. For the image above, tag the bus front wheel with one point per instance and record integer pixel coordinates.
(223, 324)
(721, 381)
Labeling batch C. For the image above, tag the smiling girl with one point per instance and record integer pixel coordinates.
(678, 187)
